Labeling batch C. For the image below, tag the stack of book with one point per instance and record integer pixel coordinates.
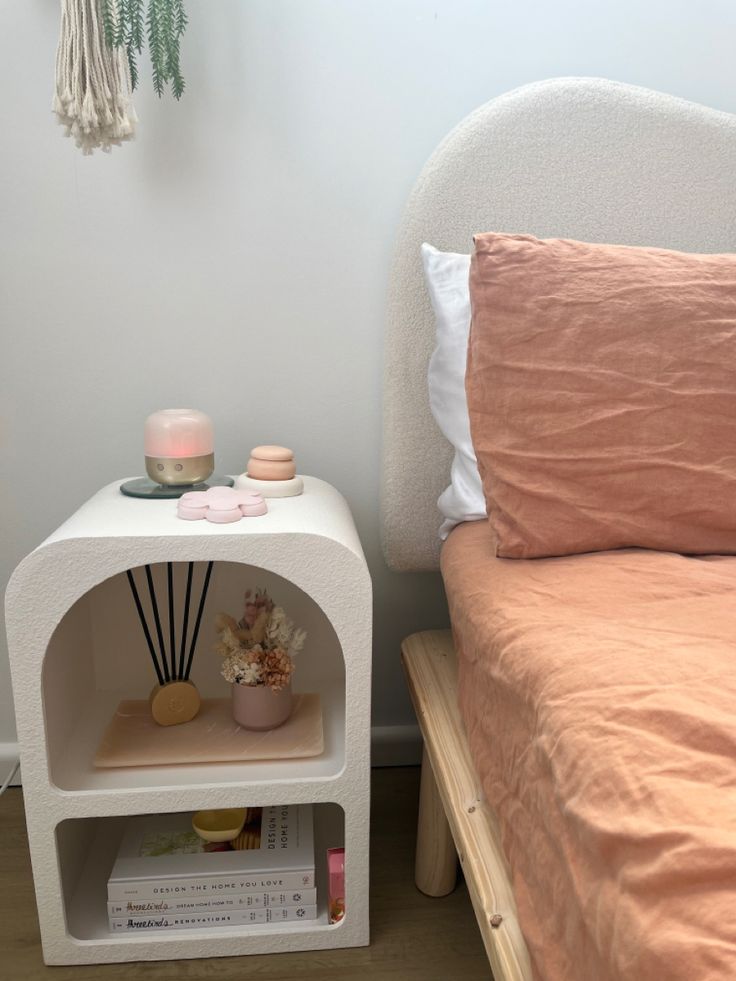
(166, 878)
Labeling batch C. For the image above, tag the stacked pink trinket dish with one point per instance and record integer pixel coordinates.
(271, 472)
(220, 505)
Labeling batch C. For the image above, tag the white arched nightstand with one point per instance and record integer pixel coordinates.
(76, 649)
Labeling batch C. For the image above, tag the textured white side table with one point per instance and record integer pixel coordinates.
(76, 649)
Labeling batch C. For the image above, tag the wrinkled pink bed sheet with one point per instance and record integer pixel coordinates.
(599, 696)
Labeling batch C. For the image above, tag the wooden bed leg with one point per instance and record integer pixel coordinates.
(435, 871)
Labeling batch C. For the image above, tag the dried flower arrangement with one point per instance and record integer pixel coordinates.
(258, 649)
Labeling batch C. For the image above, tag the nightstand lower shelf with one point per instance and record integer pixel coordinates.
(84, 879)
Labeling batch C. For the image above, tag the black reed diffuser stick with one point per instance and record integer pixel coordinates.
(146, 631)
(157, 620)
(185, 624)
(172, 633)
(198, 621)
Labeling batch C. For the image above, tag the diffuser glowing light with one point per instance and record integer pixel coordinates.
(179, 446)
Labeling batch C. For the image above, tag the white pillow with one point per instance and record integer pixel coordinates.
(447, 280)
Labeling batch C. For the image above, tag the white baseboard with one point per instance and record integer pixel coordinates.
(390, 746)
(8, 756)
(396, 745)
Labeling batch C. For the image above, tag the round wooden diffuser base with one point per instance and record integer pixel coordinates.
(174, 703)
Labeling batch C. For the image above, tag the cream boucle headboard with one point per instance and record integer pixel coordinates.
(577, 158)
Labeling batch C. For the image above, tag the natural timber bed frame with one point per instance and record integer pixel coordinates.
(454, 820)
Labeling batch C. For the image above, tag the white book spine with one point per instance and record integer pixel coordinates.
(199, 921)
(246, 900)
(206, 886)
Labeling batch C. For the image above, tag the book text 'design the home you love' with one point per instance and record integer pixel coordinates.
(166, 877)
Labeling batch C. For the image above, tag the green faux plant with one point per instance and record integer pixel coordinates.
(163, 25)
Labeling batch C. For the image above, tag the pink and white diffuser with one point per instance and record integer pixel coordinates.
(179, 454)
(179, 446)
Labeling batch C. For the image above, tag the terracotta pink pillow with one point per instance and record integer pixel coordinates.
(601, 387)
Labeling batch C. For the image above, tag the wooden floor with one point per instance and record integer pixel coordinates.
(413, 938)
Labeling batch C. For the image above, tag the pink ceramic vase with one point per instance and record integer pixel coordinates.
(259, 707)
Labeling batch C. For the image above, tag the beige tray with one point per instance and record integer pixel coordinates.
(133, 739)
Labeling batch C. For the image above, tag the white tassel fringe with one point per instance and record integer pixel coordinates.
(93, 94)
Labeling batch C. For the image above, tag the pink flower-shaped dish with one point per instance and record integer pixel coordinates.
(220, 505)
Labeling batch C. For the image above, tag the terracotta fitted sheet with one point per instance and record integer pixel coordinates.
(599, 696)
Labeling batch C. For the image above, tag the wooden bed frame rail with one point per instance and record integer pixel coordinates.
(454, 820)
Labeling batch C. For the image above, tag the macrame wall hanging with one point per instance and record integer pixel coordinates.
(96, 66)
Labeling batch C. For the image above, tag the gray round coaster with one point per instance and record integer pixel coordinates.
(151, 491)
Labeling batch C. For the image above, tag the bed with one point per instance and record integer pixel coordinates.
(577, 158)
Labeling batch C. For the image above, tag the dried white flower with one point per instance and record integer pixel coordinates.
(252, 675)
(279, 629)
(297, 641)
(240, 669)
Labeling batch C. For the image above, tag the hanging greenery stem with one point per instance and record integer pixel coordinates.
(164, 24)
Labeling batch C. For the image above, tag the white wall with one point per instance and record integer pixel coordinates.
(235, 257)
